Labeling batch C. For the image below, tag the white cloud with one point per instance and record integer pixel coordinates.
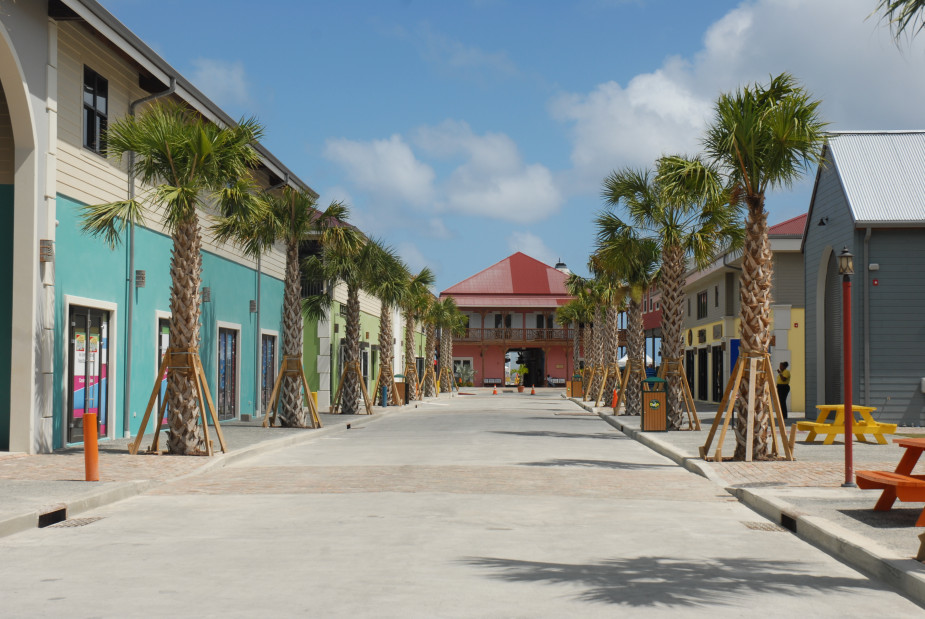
(437, 229)
(493, 180)
(415, 259)
(531, 245)
(224, 82)
(455, 55)
(386, 168)
(843, 58)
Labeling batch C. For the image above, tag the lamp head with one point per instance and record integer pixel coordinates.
(845, 262)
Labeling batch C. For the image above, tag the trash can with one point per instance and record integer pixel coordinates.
(654, 405)
(400, 386)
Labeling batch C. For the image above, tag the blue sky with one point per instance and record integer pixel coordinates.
(460, 132)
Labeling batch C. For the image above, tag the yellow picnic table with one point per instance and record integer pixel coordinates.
(865, 425)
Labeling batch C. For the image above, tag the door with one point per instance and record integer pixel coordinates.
(833, 335)
(702, 393)
(267, 369)
(717, 373)
(689, 368)
(88, 363)
(227, 374)
(163, 343)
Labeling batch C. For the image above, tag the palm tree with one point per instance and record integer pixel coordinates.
(575, 312)
(432, 315)
(415, 307)
(391, 287)
(686, 226)
(187, 164)
(763, 136)
(902, 15)
(612, 295)
(633, 260)
(589, 291)
(290, 217)
(449, 319)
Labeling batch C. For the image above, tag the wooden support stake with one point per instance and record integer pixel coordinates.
(740, 366)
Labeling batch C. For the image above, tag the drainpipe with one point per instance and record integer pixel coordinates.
(126, 404)
(258, 366)
(867, 317)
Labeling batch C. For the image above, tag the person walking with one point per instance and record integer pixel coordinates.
(783, 386)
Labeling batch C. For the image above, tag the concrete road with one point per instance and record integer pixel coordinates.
(480, 506)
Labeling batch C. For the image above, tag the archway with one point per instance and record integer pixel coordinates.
(19, 271)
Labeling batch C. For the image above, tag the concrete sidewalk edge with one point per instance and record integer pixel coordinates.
(119, 491)
(860, 552)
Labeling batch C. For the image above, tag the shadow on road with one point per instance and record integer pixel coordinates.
(663, 581)
(603, 464)
(553, 434)
(896, 518)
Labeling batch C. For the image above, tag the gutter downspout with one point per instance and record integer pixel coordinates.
(258, 366)
(130, 313)
(867, 317)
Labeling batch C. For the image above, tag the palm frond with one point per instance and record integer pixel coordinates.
(109, 221)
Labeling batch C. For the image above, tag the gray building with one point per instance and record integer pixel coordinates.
(869, 196)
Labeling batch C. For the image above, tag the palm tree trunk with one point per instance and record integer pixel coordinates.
(411, 372)
(386, 374)
(291, 413)
(350, 393)
(576, 350)
(597, 349)
(430, 386)
(755, 295)
(446, 359)
(636, 355)
(673, 280)
(589, 362)
(186, 276)
(611, 337)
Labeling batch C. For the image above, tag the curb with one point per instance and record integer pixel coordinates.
(855, 550)
(119, 491)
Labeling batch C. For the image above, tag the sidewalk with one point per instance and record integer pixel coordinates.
(806, 496)
(52, 487)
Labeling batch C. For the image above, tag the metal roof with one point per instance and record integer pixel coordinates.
(518, 274)
(791, 227)
(883, 175)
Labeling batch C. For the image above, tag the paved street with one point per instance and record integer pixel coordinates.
(478, 506)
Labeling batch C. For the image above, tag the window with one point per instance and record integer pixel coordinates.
(656, 306)
(497, 321)
(96, 100)
(702, 304)
(715, 296)
(540, 321)
(507, 321)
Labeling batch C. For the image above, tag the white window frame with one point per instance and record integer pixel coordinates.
(112, 352)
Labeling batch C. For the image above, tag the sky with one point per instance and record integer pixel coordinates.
(461, 132)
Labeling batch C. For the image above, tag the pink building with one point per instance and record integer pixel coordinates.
(511, 309)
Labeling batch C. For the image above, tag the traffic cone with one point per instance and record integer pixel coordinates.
(613, 402)
(532, 391)
(494, 391)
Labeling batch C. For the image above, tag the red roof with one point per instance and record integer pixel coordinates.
(791, 227)
(516, 281)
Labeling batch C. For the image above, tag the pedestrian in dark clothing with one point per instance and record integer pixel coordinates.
(783, 386)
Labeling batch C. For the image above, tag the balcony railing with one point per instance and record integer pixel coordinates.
(515, 335)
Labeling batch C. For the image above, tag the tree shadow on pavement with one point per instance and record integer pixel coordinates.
(668, 582)
(896, 518)
(553, 434)
(604, 464)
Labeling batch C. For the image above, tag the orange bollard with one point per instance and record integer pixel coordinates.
(494, 391)
(532, 391)
(91, 448)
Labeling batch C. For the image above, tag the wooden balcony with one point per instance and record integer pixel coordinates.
(515, 336)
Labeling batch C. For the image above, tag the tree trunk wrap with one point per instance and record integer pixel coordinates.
(672, 304)
(636, 343)
(411, 372)
(755, 296)
(186, 277)
(291, 413)
(386, 352)
(430, 385)
(350, 393)
(611, 342)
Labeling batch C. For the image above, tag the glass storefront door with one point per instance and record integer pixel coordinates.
(267, 369)
(227, 374)
(163, 343)
(88, 364)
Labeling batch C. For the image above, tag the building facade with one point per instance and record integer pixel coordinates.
(511, 308)
(868, 198)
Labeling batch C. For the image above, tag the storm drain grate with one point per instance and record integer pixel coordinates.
(76, 522)
(757, 526)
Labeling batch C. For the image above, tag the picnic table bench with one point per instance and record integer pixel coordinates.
(899, 484)
(865, 425)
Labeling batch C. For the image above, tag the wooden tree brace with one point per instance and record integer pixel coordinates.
(291, 366)
(675, 367)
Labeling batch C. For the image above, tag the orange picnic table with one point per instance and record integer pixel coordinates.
(900, 484)
(865, 425)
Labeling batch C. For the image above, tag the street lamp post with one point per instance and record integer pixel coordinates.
(846, 270)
